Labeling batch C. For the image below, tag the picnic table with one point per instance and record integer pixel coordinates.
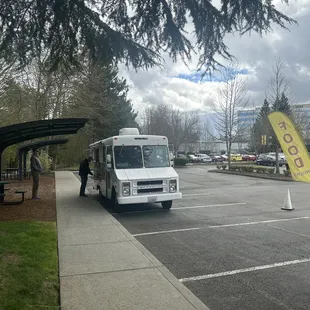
(12, 173)
(2, 194)
(2, 183)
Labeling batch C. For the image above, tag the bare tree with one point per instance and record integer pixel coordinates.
(278, 83)
(207, 135)
(232, 96)
(278, 86)
(301, 120)
(179, 127)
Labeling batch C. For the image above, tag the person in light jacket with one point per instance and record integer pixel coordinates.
(36, 169)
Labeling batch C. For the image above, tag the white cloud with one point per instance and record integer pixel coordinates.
(254, 53)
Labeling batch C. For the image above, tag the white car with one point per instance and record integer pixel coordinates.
(281, 156)
(204, 158)
(193, 158)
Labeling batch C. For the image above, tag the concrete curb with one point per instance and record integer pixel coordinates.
(256, 175)
(195, 301)
(183, 290)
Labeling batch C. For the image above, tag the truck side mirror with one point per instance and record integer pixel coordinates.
(109, 161)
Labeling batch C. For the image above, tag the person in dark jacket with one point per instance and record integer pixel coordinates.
(84, 171)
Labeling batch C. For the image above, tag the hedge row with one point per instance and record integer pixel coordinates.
(239, 168)
(180, 161)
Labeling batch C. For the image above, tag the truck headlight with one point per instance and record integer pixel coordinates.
(172, 186)
(126, 189)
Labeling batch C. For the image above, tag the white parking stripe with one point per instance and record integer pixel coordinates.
(189, 195)
(211, 206)
(185, 208)
(219, 226)
(228, 273)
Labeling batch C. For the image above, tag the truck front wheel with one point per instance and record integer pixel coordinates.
(101, 194)
(167, 204)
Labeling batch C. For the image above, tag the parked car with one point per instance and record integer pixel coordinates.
(281, 156)
(265, 160)
(217, 158)
(268, 160)
(235, 157)
(204, 158)
(193, 159)
(225, 157)
(181, 155)
(248, 157)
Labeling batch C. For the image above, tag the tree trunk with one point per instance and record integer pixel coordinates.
(228, 148)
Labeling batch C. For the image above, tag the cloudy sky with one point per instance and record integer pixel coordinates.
(180, 85)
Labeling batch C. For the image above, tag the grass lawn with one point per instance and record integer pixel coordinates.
(28, 266)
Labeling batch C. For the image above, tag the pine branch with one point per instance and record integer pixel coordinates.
(134, 32)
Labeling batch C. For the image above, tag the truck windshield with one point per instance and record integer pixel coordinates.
(128, 157)
(155, 156)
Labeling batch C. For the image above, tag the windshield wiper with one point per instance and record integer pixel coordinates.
(120, 152)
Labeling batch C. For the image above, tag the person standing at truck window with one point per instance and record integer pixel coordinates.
(36, 169)
(84, 171)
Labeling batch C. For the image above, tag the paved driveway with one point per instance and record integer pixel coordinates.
(229, 241)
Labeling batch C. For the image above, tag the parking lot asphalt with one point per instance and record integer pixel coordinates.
(229, 241)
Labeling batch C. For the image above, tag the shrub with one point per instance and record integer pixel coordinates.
(236, 168)
(260, 169)
(233, 168)
(224, 167)
(180, 161)
(270, 170)
(250, 169)
(218, 167)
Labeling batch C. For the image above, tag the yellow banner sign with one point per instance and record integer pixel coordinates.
(292, 145)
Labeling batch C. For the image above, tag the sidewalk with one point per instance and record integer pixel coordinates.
(101, 266)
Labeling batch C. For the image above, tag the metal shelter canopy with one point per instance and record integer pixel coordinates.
(17, 133)
(38, 144)
(24, 149)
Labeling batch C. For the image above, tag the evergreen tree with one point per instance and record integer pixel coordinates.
(102, 97)
(261, 128)
(135, 32)
(285, 106)
(282, 104)
(263, 113)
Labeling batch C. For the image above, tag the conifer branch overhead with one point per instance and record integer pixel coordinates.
(131, 31)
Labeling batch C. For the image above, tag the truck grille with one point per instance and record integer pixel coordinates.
(150, 190)
(154, 182)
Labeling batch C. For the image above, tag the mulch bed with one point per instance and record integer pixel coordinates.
(30, 210)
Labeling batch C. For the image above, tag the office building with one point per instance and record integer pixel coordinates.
(247, 118)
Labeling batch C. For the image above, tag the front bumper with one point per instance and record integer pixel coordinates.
(156, 197)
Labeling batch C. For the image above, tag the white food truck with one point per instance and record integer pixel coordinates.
(131, 168)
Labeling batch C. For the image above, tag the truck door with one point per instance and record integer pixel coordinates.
(103, 182)
(109, 174)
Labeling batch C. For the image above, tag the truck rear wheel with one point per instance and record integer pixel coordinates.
(167, 204)
(114, 203)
